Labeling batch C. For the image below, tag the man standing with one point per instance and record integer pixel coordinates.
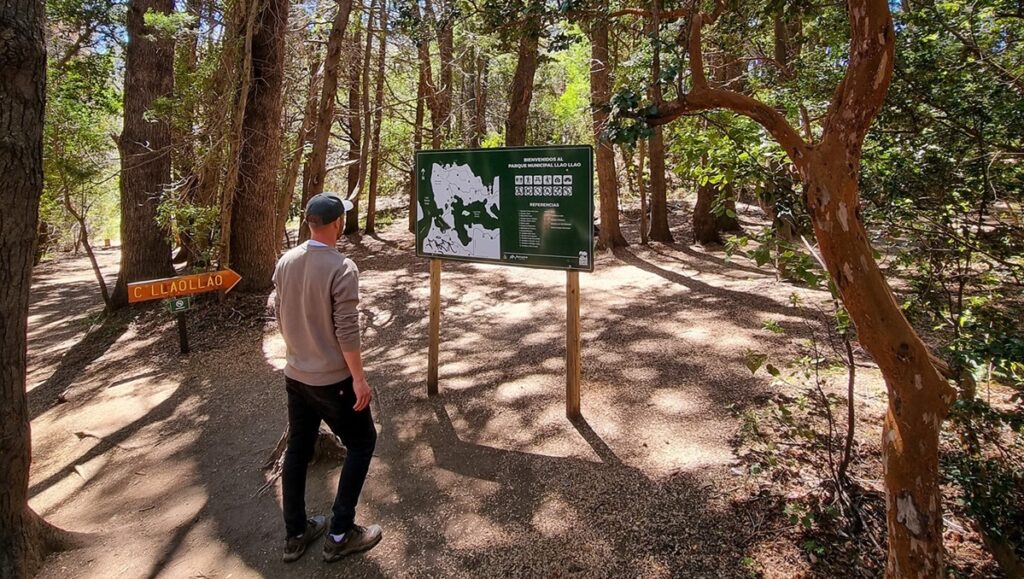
(315, 303)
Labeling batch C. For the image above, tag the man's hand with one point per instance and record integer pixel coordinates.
(359, 385)
(363, 393)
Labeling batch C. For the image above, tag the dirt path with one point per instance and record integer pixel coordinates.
(159, 455)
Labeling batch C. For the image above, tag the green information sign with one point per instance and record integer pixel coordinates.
(525, 206)
(177, 305)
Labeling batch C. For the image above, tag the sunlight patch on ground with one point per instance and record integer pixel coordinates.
(469, 530)
(81, 474)
(522, 388)
(554, 517)
(274, 350)
(531, 422)
(676, 402)
(108, 412)
(120, 405)
(698, 334)
(131, 470)
(215, 559)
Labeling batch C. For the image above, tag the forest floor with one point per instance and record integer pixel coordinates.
(158, 456)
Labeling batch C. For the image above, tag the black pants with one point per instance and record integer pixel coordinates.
(307, 406)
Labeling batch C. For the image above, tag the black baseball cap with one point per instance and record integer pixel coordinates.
(324, 208)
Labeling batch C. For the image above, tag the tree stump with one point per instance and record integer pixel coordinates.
(328, 447)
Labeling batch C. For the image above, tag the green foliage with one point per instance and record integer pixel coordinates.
(493, 140)
(189, 223)
(561, 106)
(168, 25)
(993, 493)
(765, 248)
(79, 156)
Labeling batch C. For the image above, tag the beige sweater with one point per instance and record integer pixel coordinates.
(316, 307)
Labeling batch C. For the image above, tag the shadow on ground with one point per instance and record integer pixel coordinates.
(489, 478)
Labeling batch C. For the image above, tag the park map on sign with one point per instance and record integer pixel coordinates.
(464, 213)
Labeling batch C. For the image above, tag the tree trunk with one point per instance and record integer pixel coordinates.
(83, 236)
(465, 90)
(659, 228)
(659, 191)
(355, 129)
(479, 100)
(184, 162)
(352, 217)
(642, 187)
(417, 141)
(442, 92)
(325, 116)
(444, 26)
(211, 166)
(241, 22)
(705, 223)
(919, 397)
(253, 218)
(521, 92)
(371, 201)
(610, 236)
(24, 538)
(427, 77)
(284, 199)
(145, 151)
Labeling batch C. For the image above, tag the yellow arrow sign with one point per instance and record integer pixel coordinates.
(172, 287)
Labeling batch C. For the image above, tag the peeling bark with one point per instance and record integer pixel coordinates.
(919, 396)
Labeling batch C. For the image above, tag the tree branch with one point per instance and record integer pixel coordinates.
(664, 16)
(860, 95)
(704, 97)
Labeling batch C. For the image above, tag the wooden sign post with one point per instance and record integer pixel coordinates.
(178, 292)
(572, 344)
(434, 338)
(572, 338)
(178, 307)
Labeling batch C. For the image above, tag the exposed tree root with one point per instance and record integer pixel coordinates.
(328, 447)
(23, 550)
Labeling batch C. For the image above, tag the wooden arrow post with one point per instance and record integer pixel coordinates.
(186, 285)
(572, 344)
(435, 326)
(182, 332)
(176, 287)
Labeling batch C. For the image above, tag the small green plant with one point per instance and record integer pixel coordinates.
(813, 547)
(798, 514)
